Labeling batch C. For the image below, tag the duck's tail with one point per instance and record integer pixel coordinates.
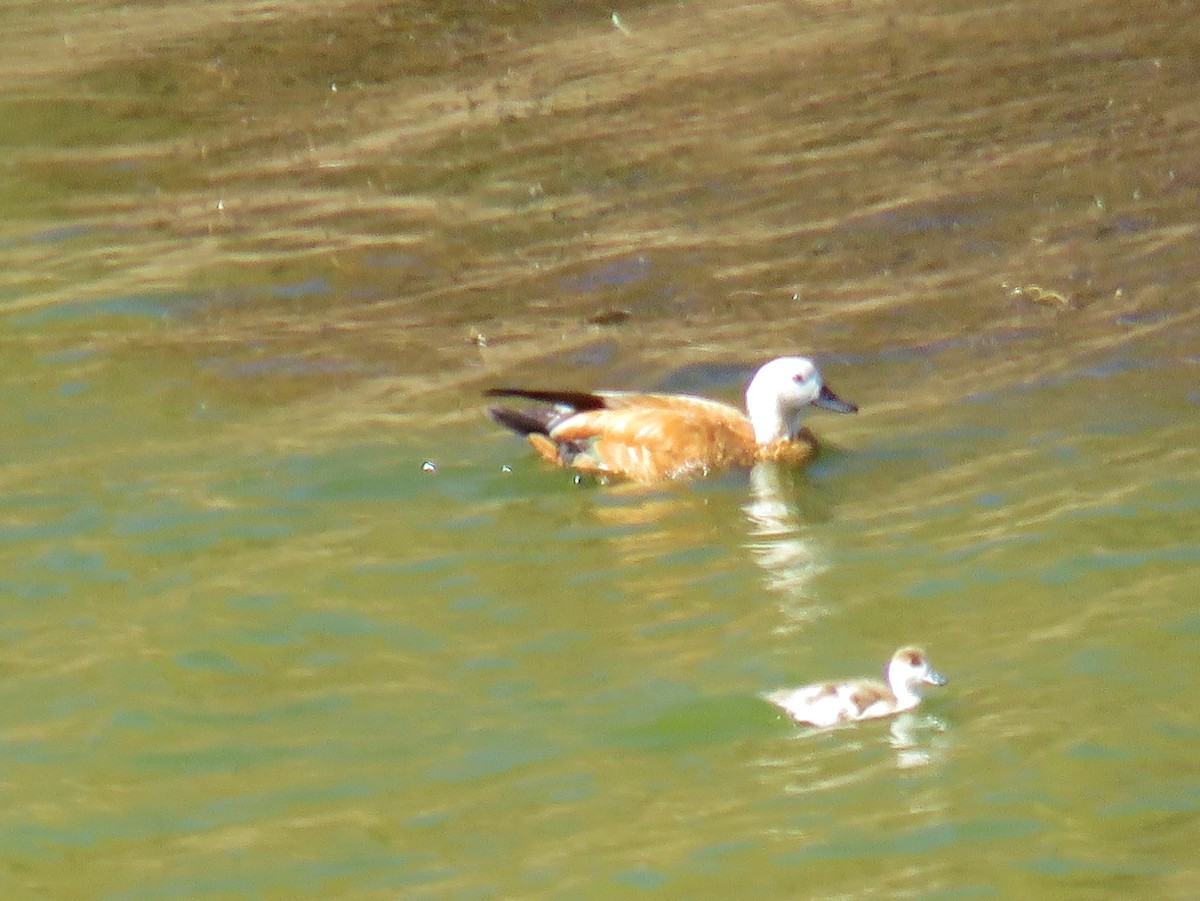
(525, 422)
(574, 400)
(540, 420)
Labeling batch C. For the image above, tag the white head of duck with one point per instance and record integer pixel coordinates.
(782, 392)
(649, 437)
(831, 703)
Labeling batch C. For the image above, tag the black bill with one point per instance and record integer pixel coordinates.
(831, 401)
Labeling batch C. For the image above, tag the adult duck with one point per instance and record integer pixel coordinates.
(654, 437)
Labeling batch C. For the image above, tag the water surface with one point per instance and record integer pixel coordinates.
(261, 259)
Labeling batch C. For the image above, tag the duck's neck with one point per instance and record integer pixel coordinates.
(769, 421)
(907, 694)
(906, 697)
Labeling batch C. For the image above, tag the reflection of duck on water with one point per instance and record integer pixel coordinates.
(651, 437)
(916, 739)
(780, 544)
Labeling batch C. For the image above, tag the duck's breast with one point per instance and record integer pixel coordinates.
(789, 452)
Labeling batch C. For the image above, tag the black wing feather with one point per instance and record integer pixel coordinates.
(526, 422)
(576, 400)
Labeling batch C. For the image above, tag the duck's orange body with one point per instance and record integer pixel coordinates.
(651, 437)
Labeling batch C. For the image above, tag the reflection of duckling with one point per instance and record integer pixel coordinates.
(649, 437)
(830, 703)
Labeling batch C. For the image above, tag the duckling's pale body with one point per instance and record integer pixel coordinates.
(651, 437)
(831, 703)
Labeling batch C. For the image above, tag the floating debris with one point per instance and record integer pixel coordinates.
(609, 317)
(618, 24)
(1038, 294)
(428, 466)
(506, 468)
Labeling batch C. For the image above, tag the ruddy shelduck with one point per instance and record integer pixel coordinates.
(831, 703)
(652, 437)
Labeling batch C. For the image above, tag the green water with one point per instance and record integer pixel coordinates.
(324, 672)
(254, 648)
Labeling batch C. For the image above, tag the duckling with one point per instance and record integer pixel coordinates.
(831, 703)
